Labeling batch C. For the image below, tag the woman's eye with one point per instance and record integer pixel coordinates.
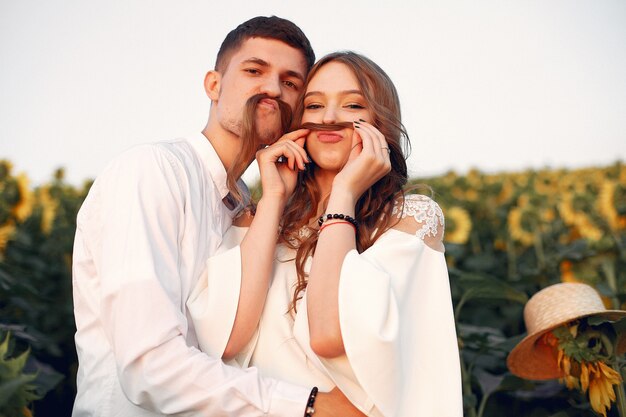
(313, 106)
(355, 106)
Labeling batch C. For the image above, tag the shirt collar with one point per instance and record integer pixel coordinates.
(211, 161)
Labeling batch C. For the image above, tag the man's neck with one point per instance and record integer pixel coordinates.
(226, 145)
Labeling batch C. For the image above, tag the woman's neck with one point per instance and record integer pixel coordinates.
(324, 180)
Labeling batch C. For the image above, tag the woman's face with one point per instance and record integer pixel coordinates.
(333, 95)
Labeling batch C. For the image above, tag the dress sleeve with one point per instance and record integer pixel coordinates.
(397, 324)
(222, 272)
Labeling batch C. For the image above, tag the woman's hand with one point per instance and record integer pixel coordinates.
(279, 164)
(368, 161)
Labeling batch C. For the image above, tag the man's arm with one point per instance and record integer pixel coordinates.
(142, 307)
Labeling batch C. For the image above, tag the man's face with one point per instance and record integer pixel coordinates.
(260, 66)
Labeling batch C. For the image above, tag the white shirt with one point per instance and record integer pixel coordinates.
(144, 232)
(395, 309)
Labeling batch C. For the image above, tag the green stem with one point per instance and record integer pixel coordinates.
(511, 258)
(467, 386)
(541, 258)
(483, 404)
(608, 266)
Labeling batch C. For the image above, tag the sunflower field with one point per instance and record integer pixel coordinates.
(508, 235)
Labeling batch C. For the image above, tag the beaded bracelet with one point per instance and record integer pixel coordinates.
(345, 217)
(310, 403)
(337, 222)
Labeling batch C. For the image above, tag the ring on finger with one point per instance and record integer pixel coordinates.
(388, 150)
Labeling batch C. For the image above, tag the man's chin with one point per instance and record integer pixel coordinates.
(268, 135)
(268, 138)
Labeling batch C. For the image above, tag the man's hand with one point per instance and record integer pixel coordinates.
(335, 404)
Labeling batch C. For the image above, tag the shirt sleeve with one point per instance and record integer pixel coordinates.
(139, 226)
(397, 324)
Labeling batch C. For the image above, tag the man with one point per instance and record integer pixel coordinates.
(145, 231)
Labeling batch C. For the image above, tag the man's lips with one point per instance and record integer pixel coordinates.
(268, 102)
(329, 137)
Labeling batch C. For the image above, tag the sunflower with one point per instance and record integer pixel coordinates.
(610, 193)
(22, 209)
(567, 274)
(458, 225)
(6, 232)
(49, 209)
(574, 216)
(521, 221)
(506, 191)
(582, 355)
(587, 228)
(602, 379)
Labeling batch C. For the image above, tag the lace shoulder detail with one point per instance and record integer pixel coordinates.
(424, 210)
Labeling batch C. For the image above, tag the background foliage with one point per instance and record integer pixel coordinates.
(507, 236)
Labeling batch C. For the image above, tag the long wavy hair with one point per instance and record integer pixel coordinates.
(374, 207)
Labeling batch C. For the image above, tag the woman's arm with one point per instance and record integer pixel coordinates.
(368, 163)
(396, 320)
(257, 248)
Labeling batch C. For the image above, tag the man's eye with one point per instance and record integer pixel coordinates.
(253, 71)
(290, 84)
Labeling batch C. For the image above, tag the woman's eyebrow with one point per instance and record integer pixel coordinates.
(343, 93)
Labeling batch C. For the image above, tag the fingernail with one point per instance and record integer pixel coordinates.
(362, 120)
(357, 126)
(357, 122)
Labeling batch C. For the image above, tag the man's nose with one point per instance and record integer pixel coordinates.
(271, 87)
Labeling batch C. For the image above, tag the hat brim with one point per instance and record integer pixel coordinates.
(531, 360)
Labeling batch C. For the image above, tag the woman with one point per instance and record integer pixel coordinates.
(359, 295)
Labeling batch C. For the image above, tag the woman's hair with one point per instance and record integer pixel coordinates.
(373, 209)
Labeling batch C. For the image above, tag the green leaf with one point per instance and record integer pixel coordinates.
(483, 286)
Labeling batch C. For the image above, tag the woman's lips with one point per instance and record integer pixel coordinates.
(329, 137)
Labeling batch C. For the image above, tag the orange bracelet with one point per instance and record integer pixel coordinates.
(336, 222)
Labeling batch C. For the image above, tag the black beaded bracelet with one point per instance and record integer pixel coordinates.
(310, 403)
(345, 217)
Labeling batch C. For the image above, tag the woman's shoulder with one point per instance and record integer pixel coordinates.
(421, 216)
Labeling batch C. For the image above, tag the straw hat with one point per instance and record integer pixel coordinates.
(548, 309)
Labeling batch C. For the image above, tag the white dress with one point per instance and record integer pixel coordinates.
(401, 354)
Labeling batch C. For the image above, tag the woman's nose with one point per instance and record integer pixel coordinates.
(330, 115)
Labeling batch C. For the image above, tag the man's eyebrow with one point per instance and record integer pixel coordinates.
(264, 63)
(257, 61)
(295, 74)
(343, 93)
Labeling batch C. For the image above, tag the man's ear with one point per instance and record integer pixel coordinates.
(212, 84)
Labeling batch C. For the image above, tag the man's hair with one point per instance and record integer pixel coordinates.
(271, 27)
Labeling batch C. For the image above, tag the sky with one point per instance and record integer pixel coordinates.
(495, 85)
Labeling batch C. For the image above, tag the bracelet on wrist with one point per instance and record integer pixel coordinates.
(324, 226)
(339, 216)
(308, 412)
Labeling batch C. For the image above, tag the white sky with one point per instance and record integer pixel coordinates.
(498, 85)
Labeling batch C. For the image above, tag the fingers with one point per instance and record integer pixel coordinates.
(374, 143)
(284, 152)
(297, 136)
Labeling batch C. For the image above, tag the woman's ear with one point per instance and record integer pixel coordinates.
(212, 83)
